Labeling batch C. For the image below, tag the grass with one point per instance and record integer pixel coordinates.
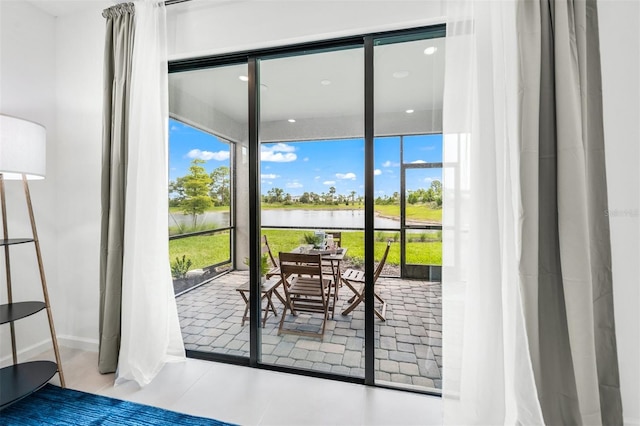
(421, 247)
(203, 250)
(415, 212)
(207, 250)
(421, 252)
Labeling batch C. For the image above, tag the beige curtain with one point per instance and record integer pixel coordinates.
(117, 77)
(528, 316)
(574, 343)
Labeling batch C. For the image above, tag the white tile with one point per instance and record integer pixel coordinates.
(250, 396)
(168, 386)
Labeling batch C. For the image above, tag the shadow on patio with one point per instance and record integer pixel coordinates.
(408, 344)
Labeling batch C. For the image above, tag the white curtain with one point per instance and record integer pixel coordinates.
(528, 316)
(150, 327)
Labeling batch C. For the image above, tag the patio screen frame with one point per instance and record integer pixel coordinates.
(252, 59)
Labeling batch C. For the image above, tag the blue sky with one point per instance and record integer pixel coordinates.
(299, 167)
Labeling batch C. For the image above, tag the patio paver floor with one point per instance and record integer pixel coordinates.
(408, 343)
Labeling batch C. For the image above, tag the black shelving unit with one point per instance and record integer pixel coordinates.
(21, 379)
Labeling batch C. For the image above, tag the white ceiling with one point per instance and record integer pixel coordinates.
(69, 7)
(294, 89)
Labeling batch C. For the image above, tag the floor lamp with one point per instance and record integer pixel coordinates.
(23, 157)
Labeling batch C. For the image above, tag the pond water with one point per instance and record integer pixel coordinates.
(294, 218)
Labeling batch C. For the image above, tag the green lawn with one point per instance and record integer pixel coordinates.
(422, 247)
(427, 252)
(203, 250)
(416, 212)
(207, 250)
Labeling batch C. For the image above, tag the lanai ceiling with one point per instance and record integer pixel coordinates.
(319, 89)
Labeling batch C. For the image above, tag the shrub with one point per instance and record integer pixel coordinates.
(180, 267)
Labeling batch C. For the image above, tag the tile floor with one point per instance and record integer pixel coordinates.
(249, 396)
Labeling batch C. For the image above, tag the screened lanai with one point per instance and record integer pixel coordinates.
(306, 107)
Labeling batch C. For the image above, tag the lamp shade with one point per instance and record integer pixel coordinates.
(22, 148)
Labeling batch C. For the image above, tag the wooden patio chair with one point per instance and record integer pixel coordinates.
(330, 266)
(275, 268)
(355, 281)
(337, 237)
(274, 271)
(309, 290)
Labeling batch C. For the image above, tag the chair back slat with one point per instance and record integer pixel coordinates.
(378, 270)
(300, 264)
(267, 249)
(337, 238)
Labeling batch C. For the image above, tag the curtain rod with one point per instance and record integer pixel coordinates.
(170, 2)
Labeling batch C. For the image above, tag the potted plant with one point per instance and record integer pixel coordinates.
(313, 239)
(264, 266)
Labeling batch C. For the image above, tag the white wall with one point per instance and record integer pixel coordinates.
(620, 52)
(51, 72)
(27, 90)
(79, 55)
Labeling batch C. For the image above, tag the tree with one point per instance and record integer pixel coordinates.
(353, 197)
(332, 191)
(221, 186)
(197, 185)
(305, 198)
(176, 188)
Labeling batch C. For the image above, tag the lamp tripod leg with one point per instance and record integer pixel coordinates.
(7, 263)
(43, 280)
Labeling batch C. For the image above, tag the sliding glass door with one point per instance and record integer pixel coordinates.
(311, 174)
(408, 84)
(341, 139)
(208, 197)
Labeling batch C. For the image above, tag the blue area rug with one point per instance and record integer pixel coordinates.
(52, 405)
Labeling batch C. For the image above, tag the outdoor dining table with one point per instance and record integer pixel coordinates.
(334, 260)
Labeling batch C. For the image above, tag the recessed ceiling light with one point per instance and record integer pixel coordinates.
(400, 74)
(291, 120)
(430, 50)
(325, 82)
(409, 111)
(243, 78)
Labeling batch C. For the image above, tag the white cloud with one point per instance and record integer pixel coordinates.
(208, 155)
(418, 162)
(278, 157)
(377, 172)
(269, 176)
(278, 153)
(306, 159)
(294, 184)
(428, 179)
(279, 147)
(316, 178)
(390, 164)
(329, 182)
(349, 175)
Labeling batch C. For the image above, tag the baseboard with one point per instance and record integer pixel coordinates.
(631, 422)
(27, 353)
(72, 342)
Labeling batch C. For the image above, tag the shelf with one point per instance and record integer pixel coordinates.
(13, 241)
(21, 380)
(16, 311)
